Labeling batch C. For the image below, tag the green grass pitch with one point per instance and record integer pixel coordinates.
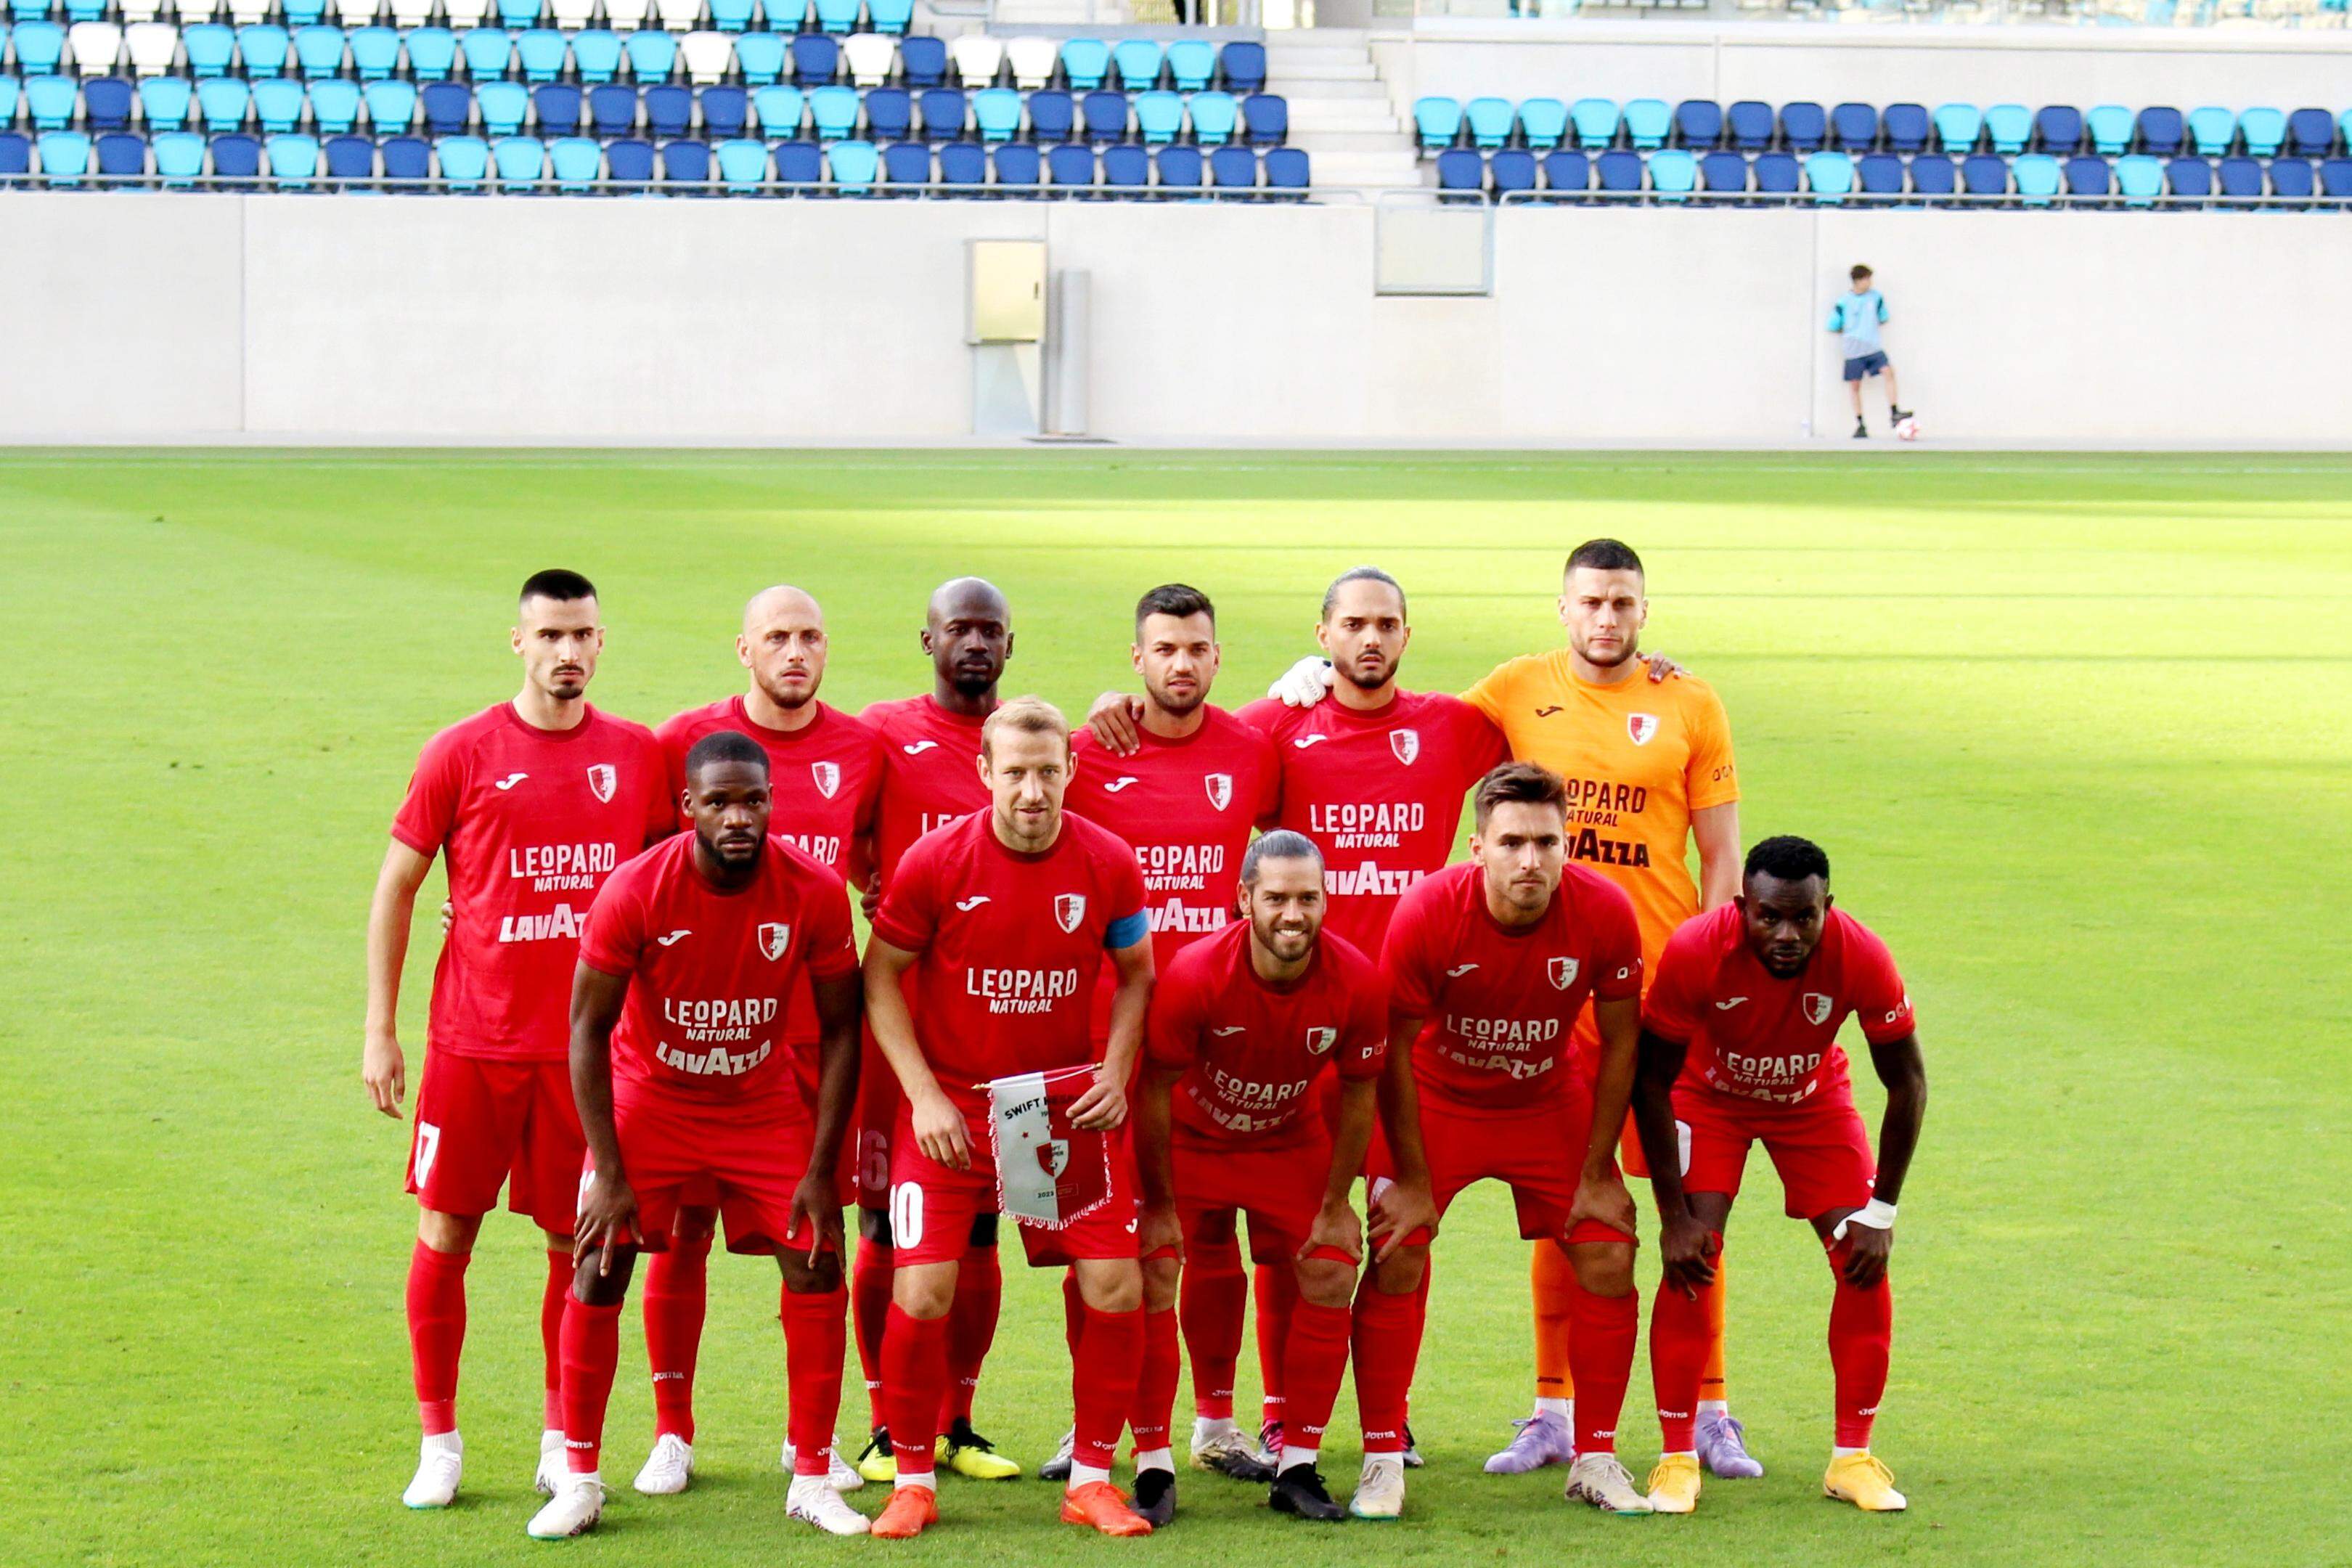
(2076, 730)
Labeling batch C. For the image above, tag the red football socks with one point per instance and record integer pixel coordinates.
(1386, 1345)
(591, 1352)
(816, 1325)
(971, 1329)
(552, 1297)
(1074, 1311)
(1155, 1381)
(869, 1299)
(676, 1286)
(1678, 1348)
(1862, 1334)
(1602, 1331)
(1211, 1302)
(1277, 1289)
(1102, 1383)
(436, 1333)
(1312, 1364)
(914, 1374)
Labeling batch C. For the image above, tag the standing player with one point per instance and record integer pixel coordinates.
(1243, 1024)
(930, 752)
(1488, 965)
(1740, 1044)
(1000, 922)
(683, 1074)
(532, 803)
(824, 770)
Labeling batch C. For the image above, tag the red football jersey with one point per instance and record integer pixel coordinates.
(528, 823)
(1501, 1004)
(1010, 945)
(1381, 793)
(930, 773)
(1250, 1051)
(710, 970)
(1187, 808)
(1764, 1038)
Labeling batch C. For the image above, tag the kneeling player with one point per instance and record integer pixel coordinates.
(1003, 918)
(1243, 1026)
(686, 1086)
(1488, 965)
(1740, 1044)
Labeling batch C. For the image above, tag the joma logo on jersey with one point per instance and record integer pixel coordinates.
(826, 776)
(603, 779)
(561, 920)
(1221, 790)
(1562, 972)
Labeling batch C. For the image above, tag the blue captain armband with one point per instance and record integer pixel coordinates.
(1127, 930)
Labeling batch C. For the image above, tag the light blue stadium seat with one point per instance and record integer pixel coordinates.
(1490, 120)
(489, 51)
(760, 57)
(464, 160)
(2263, 129)
(837, 16)
(1085, 61)
(162, 102)
(1828, 176)
(11, 91)
(293, 161)
(996, 113)
(542, 52)
(1648, 122)
(335, 106)
(375, 52)
(223, 100)
(390, 105)
(652, 55)
(278, 104)
(1543, 123)
(2011, 125)
(1674, 173)
(319, 50)
(505, 105)
(303, 13)
(516, 15)
(1958, 127)
(742, 163)
(1437, 121)
(778, 109)
(41, 45)
(2038, 177)
(432, 53)
(834, 111)
(891, 16)
(576, 163)
(1138, 61)
(65, 157)
(2344, 128)
(852, 166)
(1595, 119)
(520, 160)
(1191, 64)
(1160, 116)
(210, 48)
(1214, 116)
(179, 156)
(2140, 179)
(52, 101)
(596, 54)
(2111, 129)
(730, 15)
(262, 49)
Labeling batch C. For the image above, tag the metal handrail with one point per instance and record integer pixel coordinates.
(490, 183)
(1881, 198)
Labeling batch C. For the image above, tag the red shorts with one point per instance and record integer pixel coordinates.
(1540, 1153)
(806, 1073)
(880, 1103)
(679, 1153)
(1822, 1151)
(1584, 1041)
(1280, 1187)
(932, 1207)
(482, 1123)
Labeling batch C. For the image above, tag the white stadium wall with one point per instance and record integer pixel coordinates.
(165, 317)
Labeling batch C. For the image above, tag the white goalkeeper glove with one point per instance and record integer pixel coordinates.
(1304, 684)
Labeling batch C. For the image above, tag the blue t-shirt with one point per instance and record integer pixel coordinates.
(1856, 317)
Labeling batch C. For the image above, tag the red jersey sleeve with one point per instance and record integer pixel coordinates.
(1616, 949)
(428, 814)
(1478, 741)
(1671, 1010)
(1366, 1040)
(1879, 1000)
(1124, 888)
(662, 817)
(910, 912)
(1404, 958)
(831, 953)
(615, 933)
(1172, 1038)
(1270, 796)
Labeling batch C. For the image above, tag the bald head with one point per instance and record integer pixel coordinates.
(967, 596)
(967, 632)
(783, 644)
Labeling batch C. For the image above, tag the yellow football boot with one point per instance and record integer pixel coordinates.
(875, 1461)
(1864, 1480)
(969, 1454)
(1673, 1484)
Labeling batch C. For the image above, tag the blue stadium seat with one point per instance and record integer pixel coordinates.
(742, 163)
(816, 59)
(118, 153)
(463, 162)
(1777, 173)
(11, 90)
(1958, 128)
(1016, 162)
(595, 56)
(963, 164)
(1213, 117)
(2240, 177)
(1750, 123)
(349, 158)
(2058, 128)
(1265, 120)
(1933, 174)
(2038, 176)
(1698, 123)
(1160, 116)
(1854, 128)
(798, 163)
(106, 102)
(52, 101)
(2344, 123)
(1722, 174)
(943, 112)
(907, 163)
(1543, 123)
(293, 161)
(2261, 129)
(505, 105)
(1192, 64)
(319, 50)
(2089, 177)
(891, 16)
(833, 112)
(1985, 174)
(236, 157)
(1648, 122)
(686, 165)
(669, 112)
(1618, 171)
(759, 56)
(652, 55)
(1512, 169)
(432, 53)
(731, 15)
(611, 110)
(556, 109)
(1104, 115)
(1830, 176)
(1459, 171)
(2291, 180)
(1880, 175)
(2111, 130)
(1674, 173)
(996, 113)
(1233, 168)
(209, 48)
(2009, 126)
(224, 102)
(2214, 130)
(278, 103)
(1126, 167)
(2310, 133)
(449, 107)
(2335, 179)
(779, 109)
(1490, 120)
(17, 154)
(1084, 63)
(390, 105)
(1052, 116)
(923, 61)
(837, 16)
(1180, 168)
(2140, 179)
(297, 12)
(1437, 121)
(629, 160)
(1805, 128)
(517, 15)
(2189, 178)
(163, 102)
(1242, 67)
(1596, 121)
(41, 44)
(1568, 171)
(1139, 62)
(262, 49)
(1070, 163)
(407, 160)
(889, 114)
(65, 156)
(375, 54)
(1286, 170)
(851, 167)
(2160, 131)
(541, 53)
(179, 157)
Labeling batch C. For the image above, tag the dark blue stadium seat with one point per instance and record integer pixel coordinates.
(106, 105)
(1459, 171)
(2089, 176)
(1242, 67)
(889, 114)
(669, 112)
(1907, 127)
(1698, 123)
(2310, 133)
(1071, 163)
(1854, 127)
(685, 163)
(2291, 179)
(1129, 166)
(349, 158)
(1286, 170)
(1722, 174)
(1619, 170)
(236, 156)
(963, 164)
(1567, 171)
(1510, 169)
(122, 154)
(2160, 130)
(1933, 174)
(1052, 116)
(923, 60)
(1985, 174)
(943, 110)
(2058, 128)
(725, 111)
(449, 107)
(815, 60)
(630, 161)
(798, 163)
(1879, 174)
(1104, 112)
(1017, 163)
(2240, 177)
(1265, 120)
(1750, 123)
(2191, 177)
(406, 159)
(1233, 168)
(907, 163)
(1180, 167)
(16, 153)
(613, 110)
(1803, 126)
(1777, 173)
(2335, 179)
(557, 106)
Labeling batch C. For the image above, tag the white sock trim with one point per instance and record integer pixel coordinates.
(1085, 1475)
(1150, 1460)
(929, 1481)
(1713, 1407)
(1299, 1458)
(1206, 1427)
(1563, 1408)
(1838, 1453)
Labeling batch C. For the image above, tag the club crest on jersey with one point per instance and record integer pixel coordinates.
(1641, 727)
(1221, 790)
(1817, 1007)
(1406, 744)
(1069, 908)
(827, 776)
(604, 778)
(1320, 1041)
(774, 937)
(1562, 972)
(1054, 1156)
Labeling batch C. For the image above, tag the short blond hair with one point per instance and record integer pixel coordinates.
(1029, 715)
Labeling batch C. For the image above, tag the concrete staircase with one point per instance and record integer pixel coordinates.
(1339, 110)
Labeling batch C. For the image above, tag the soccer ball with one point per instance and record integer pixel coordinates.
(1907, 429)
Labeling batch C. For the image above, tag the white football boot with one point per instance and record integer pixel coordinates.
(814, 1500)
(1379, 1491)
(551, 1463)
(1601, 1481)
(670, 1468)
(840, 1474)
(574, 1510)
(440, 1466)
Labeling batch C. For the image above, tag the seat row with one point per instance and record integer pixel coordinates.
(335, 106)
(577, 164)
(624, 15)
(2031, 179)
(1645, 124)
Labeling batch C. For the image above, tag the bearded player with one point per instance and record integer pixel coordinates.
(930, 750)
(1739, 1045)
(824, 770)
(684, 1077)
(1488, 965)
(530, 804)
(1245, 1025)
(1000, 922)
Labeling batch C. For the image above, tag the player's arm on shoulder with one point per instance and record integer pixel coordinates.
(1116, 722)
(383, 1069)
